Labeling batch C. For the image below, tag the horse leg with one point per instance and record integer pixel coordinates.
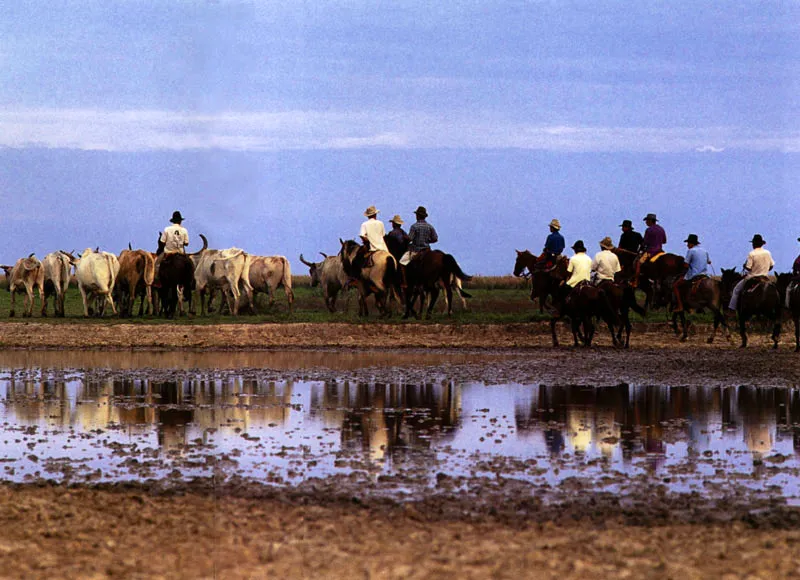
(434, 296)
(776, 332)
(684, 326)
(553, 321)
(743, 330)
(796, 318)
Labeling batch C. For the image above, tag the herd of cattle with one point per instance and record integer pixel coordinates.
(104, 278)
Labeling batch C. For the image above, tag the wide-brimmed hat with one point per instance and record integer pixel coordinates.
(176, 217)
(578, 246)
(691, 239)
(650, 216)
(626, 224)
(396, 220)
(554, 223)
(371, 211)
(421, 212)
(606, 243)
(758, 240)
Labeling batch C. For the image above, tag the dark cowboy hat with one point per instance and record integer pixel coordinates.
(421, 212)
(651, 216)
(176, 217)
(758, 241)
(578, 246)
(692, 239)
(626, 224)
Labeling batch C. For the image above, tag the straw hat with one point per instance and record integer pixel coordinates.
(606, 243)
(371, 211)
(396, 220)
(554, 223)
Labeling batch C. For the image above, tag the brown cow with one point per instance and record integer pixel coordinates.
(135, 278)
(23, 277)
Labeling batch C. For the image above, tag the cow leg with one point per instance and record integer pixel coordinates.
(110, 301)
(85, 300)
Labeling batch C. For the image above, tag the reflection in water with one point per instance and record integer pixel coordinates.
(288, 431)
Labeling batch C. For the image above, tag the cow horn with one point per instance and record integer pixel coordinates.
(129, 246)
(309, 264)
(97, 250)
(324, 255)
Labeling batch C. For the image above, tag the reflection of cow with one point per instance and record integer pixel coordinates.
(330, 275)
(57, 266)
(96, 273)
(23, 277)
(267, 273)
(136, 274)
(226, 270)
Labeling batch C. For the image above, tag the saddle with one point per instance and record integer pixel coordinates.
(655, 257)
(696, 281)
(752, 283)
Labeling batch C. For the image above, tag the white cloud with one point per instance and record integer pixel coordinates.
(144, 130)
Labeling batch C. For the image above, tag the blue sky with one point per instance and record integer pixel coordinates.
(273, 125)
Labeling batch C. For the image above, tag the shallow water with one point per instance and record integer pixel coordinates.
(83, 418)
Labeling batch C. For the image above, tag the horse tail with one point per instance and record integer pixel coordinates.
(454, 268)
(391, 273)
(629, 296)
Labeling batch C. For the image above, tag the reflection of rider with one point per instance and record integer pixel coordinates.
(605, 263)
(759, 263)
(696, 264)
(652, 244)
(554, 244)
(421, 235)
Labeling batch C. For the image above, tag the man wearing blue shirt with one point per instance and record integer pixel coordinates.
(696, 264)
(553, 246)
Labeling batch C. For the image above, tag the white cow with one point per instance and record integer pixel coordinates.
(25, 275)
(57, 267)
(96, 273)
(226, 270)
(267, 273)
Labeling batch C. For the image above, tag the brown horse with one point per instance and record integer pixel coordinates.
(789, 287)
(702, 293)
(544, 283)
(622, 298)
(375, 274)
(427, 273)
(654, 274)
(582, 305)
(759, 297)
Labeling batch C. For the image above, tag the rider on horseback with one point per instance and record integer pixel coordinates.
(605, 263)
(652, 244)
(553, 247)
(421, 235)
(759, 263)
(629, 240)
(696, 264)
(579, 267)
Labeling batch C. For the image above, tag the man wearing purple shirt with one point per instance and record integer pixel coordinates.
(654, 239)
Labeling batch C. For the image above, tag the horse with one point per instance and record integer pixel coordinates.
(759, 297)
(622, 298)
(789, 287)
(581, 305)
(426, 273)
(652, 275)
(375, 274)
(544, 282)
(702, 293)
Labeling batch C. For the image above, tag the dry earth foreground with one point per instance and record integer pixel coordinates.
(335, 528)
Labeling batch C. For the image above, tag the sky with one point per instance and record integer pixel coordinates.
(273, 125)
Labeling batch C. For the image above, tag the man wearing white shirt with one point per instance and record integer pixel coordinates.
(580, 266)
(372, 231)
(605, 263)
(759, 263)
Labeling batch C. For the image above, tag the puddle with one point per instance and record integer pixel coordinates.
(81, 425)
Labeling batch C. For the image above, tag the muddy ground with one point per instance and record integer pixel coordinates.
(323, 529)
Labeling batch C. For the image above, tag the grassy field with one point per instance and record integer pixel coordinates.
(495, 300)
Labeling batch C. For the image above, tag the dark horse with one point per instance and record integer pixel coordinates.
(789, 287)
(622, 298)
(582, 305)
(759, 297)
(426, 273)
(544, 282)
(654, 274)
(702, 293)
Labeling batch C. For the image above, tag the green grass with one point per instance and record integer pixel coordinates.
(495, 300)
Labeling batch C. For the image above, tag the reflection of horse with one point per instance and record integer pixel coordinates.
(789, 287)
(652, 275)
(702, 293)
(622, 298)
(426, 273)
(759, 297)
(376, 274)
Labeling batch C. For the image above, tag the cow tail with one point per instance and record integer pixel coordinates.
(454, 268)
